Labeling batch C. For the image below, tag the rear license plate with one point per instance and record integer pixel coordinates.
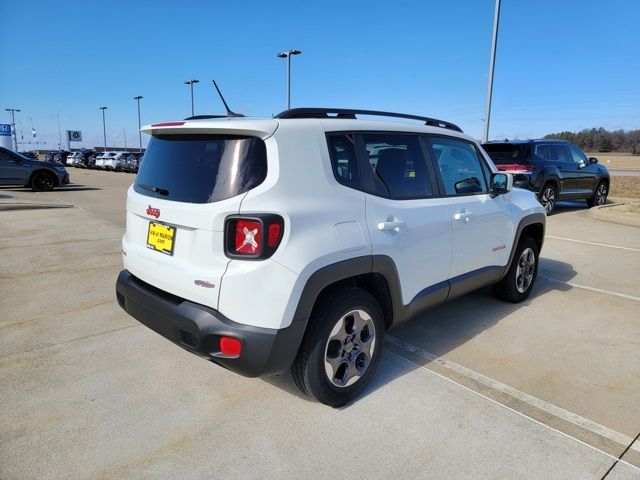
(161, 238)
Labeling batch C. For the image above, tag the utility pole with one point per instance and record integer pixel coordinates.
(104, 128)
(492, 64)
(12, 112)
(124, 134)
(138, 98)
(287, 54)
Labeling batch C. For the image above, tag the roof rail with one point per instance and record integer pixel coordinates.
(350, 113)
(203, 117)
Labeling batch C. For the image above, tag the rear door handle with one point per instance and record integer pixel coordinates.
(393, 225)
(463, 215)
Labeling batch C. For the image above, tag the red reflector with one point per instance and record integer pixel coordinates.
(274, 234)
(230, 346)
(168, 124)
(248, 237)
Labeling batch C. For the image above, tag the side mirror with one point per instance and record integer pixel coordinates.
(592, 160)
(501, 183)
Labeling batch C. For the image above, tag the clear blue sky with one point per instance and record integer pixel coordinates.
(561, 65)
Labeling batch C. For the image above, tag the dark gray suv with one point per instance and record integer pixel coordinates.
(40, 176)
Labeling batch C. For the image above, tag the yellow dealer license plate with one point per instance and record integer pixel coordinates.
(161, 238)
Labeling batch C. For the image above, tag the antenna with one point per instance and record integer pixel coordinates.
(229, 112)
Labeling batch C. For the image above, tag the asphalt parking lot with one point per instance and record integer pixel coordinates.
(473, 389)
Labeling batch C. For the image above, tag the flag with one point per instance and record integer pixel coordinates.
(33, 132)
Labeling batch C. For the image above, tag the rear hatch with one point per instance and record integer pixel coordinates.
(176, 209)
(509, 157)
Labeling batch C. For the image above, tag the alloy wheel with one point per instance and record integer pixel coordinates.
(548, 198)
(525, 270)
(601, 194)
(349, 348)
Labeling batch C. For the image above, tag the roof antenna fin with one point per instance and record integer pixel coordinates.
(229, 112)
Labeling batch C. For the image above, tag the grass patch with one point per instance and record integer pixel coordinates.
(625, 187)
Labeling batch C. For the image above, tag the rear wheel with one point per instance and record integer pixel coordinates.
(547, 197)
(518, 282)
(342, 347)
(599, 196)
(42, 182)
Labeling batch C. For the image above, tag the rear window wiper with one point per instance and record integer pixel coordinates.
(151, 188)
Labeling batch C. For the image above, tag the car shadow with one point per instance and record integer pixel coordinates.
(446, 327)
(63, 188)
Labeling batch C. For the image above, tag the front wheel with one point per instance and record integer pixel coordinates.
(42, 182)
(599, 196)
(341, 349)
(516, 286)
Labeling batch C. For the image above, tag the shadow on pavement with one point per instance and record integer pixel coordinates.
(449, 325)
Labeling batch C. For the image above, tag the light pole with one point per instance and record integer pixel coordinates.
(59, 133)
(287, 54)
(191, 82)
(492, 64)
(12, 111)
(21, 132)
(104, 128)
(138, 98)
(33, 135)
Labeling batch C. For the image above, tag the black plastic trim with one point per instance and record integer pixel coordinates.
(532, 219)
(198, 328)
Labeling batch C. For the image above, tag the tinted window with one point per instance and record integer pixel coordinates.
(460, 167)
(343, 160)
(577, 155)
(201, 168)
(504, 154)
(398, 165)
(553, 153)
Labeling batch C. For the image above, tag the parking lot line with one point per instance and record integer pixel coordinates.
(591, 289)
(593, 243)
(526, 398)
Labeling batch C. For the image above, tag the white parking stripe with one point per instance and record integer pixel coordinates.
(592, 289)
(561, 413)
(593, 243)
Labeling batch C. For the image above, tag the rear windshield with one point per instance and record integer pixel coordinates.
(504, 154)
(201, 168)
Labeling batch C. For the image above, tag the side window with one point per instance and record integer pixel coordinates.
(577, 155)
(543, 152)
(398, 165)
(343, 160)
(460, 167)
(560, 153)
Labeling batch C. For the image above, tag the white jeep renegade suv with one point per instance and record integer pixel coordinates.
(295, 242)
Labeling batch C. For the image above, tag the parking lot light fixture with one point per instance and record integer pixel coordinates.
(104, 127)
(138, 98)
(12, 112)
(191, 83)
(287, 54)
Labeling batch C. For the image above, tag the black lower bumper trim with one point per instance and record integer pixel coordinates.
(198, 328)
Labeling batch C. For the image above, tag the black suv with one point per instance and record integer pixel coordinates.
(553, 169)
(40, 176)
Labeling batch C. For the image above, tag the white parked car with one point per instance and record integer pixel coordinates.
(106, 161)
(295, 242)
(72, 158)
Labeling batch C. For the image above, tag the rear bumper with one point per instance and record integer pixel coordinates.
(198, 328)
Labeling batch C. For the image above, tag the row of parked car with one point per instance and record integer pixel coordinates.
(114, 161)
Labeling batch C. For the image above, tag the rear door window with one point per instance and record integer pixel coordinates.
(201, 168)
(398, 165)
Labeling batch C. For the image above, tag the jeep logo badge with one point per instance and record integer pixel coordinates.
(153, 212)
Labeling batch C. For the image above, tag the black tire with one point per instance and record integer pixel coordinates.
(519, 280)
(548, 196)
(43, 182)
(339, 309)
(599, 196)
